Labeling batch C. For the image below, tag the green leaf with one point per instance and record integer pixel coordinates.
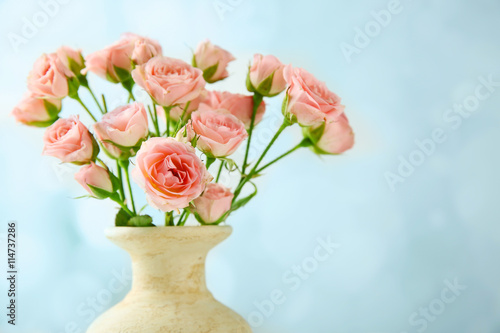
(122, 74)
(52, 110)
(73, 85)
(42, 123)
(75, 67)
(229, 164)
(265, 86)
(115, 181)
(249, 84)
(142, 208)
(99, 192)
(141, 221)
(314, 134)
(209, 72)
(122, 218)
(210, 160)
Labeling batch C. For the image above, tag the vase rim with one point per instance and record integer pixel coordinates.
(169, 231)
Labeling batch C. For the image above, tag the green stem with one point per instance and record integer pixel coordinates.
(95, 99)
(127, 176)
(77, 98)
(246, 178)
(220, 171)
(154, 115)
(167, 116)
(169, 220)
(181, 223)
(131, 95)
(300, 145)
(122, 205)
(181, 216)
(181, 119)
(257, 99)
(120, 178)
(104, 103)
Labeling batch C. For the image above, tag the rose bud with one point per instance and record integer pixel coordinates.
(72, 59)
(169, 81)
(238, 105)
(331, 138)
(70, 141)
(96, 180)
(170, 173)
(212, 60)
(122, 130)
(35, 111)
(112, 63)
(211, 206)
(219, 133)
(308, 100)
(144, 48)
(49, 77)
(186, 134)
(265, 76)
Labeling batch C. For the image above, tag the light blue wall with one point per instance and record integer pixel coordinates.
(398, 245)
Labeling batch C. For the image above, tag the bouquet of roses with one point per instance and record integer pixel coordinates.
(175, 138)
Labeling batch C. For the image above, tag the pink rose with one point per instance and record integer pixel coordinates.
(170, 173)
(212, 60)
(309, 100)
(122, 130)
(113, 63)
(72, 59)
(70, 141)
(35, 111)
(336, 137)
(266, 75)
(49, 77)
(220, 133)
(176, 111)
(144, 48)
(169, 81)
(238, 105)
(213, 203)
(95, 176)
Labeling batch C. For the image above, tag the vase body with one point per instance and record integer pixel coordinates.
(169, 293)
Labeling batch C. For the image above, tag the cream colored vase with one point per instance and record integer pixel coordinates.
(169, 293)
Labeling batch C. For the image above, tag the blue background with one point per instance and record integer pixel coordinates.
(398, 245)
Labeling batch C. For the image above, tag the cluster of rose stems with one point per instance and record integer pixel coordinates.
(244, 178)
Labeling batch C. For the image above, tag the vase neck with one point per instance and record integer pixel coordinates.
(169, 260)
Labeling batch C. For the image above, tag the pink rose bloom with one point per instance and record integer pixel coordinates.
(170, 172)
(309, 99)
(122, 130)
(238, 105)
(49, 77)
(213, 203)
(96, 176)
(220, 133)
(169, 81)
(260, 73)
(336, 138)
(105, 62)
(176, 111)
(72, 59)
(212, 60)
(35, 111)
(144, 48)
(70, 141)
